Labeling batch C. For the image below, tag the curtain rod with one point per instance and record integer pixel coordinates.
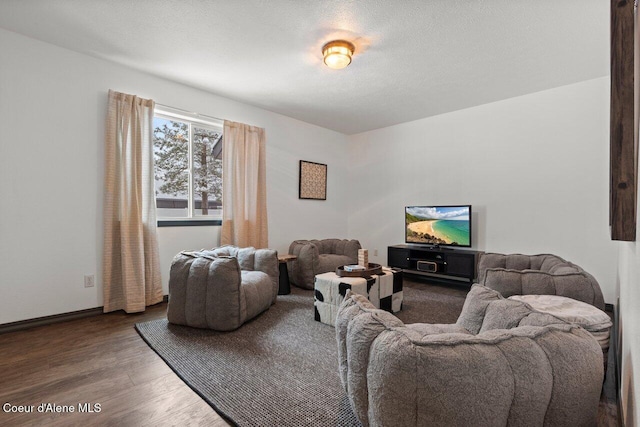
(188, 112)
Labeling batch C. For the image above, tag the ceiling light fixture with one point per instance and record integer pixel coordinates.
(337, 54)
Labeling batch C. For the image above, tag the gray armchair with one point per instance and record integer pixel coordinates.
(319, 256)
(544, 274)
(502, 364)
(221, 288)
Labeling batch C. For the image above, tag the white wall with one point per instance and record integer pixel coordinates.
(629, 324)
(52, 112)
(535, 169)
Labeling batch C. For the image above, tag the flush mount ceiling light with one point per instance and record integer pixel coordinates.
(337, 54)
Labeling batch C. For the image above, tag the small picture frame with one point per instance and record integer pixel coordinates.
(313, 181)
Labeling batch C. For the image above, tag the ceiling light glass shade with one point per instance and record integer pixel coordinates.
(337, 54)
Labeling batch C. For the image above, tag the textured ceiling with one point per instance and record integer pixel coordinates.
(413, 59)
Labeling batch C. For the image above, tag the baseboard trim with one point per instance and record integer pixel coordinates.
(48, 320)
(55, 318)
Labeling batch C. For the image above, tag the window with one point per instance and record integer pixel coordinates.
(188, 166)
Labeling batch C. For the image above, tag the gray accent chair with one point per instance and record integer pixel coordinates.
(544, 274)
(222, 288)
(501, 364)
(319, 256)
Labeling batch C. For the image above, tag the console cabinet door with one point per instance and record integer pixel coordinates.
(398, 257)
(461, 265)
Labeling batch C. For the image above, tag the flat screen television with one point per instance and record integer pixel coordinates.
(438, 225)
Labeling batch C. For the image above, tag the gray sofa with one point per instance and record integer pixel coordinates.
(502, 363)
(222, 288)
(319, 256)
(544, 274)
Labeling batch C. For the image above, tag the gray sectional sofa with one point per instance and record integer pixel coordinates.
(502, 363)
(544, 274)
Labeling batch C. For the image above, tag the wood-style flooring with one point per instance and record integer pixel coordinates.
(102, 360)
(96, 360)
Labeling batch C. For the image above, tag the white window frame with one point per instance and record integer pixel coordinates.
(201, 121)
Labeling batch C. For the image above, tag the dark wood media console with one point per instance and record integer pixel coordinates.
(454, 266)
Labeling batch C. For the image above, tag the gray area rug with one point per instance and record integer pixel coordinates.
(280, 369)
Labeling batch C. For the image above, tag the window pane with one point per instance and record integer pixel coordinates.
(171, 152)
(207, 172)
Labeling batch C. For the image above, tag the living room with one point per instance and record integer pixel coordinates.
(532, 158)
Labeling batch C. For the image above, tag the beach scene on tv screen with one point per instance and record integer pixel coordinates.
(438, 225)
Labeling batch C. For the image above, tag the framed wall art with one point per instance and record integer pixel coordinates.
(313, 181)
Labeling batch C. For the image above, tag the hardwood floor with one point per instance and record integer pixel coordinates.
(102, 360)
(97, 360)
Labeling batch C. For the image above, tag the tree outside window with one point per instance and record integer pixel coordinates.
(188, 168)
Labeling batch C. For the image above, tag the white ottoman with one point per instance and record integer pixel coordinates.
(384, 291)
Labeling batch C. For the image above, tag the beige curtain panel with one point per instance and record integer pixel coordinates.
(131, 268)
(244, 186)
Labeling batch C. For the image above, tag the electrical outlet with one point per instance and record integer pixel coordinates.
(375, 252)
(89, 281)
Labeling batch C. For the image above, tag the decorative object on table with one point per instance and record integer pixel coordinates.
(312, 181)
(319, 256)
(383, 289)
(501, 363)
(363, 257)
(221, 288)
(544, 274)
(358, 270)
(354, 267)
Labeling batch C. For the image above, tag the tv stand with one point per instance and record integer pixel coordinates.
(447, 265)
